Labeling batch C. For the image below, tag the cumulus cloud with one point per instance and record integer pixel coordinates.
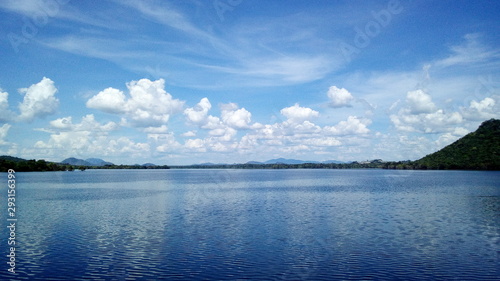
(421, 115)
(298, 114)
(482, 110)
(88, 123)
(339, 97)
(222, 131)
(156, 130)
(125, 146)
(148, 104)
(3, 133)
(199, 113)
(85, 138)
(448, 138)
(86, 143)
(189, 134)
(352, 126)
(287, 137)
(296, 135)
(8, 148)
(197, 145)
(39, 100)
(436, 122)
(5, 113)
(326, 141)
(234, 117)
(165, 143)
(420, 102)
(64, 123)
(109, 100)
(212, 123)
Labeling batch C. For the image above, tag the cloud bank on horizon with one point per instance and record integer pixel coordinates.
(235, 81)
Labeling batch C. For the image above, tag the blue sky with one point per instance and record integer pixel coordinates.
(182, 82)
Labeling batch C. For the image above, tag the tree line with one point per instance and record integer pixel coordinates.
(21, 165)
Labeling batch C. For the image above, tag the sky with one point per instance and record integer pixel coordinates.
(231, 81)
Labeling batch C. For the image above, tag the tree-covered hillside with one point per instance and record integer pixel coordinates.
(479, 150)
(22, 165)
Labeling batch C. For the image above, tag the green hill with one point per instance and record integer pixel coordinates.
(479, 150)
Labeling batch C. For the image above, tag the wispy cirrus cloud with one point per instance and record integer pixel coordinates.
(471, 52)
(205, 52)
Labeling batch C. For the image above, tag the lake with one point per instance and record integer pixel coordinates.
(255, 225)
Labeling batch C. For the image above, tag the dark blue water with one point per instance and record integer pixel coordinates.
(255, 225)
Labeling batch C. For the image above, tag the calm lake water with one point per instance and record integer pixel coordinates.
(255, 225)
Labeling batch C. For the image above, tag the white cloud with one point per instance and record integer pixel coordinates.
(156, 130)
(436, 122)
(326, 141)
(123, 146)
(234, 117)
(352, 126)
(289, 69)
(6, 148)
(339, 97)
(482, 110)
(298, 114)
(88, 123)
(86, 138)
(165, 143)
(223, 134)
(421, 115)
(289, 138)
(66, 141)
(212, 123)
(39, 100)
(199, 113)
(3, 133)
(5, 113)
(472, 51)
(189, 134)
(222, 131)
(86, 144)
(64, 123)
(166, 14)
(420, 102)
(197, 145)
(109, 100)
(305, 127)
(448, 138)
(149, 105)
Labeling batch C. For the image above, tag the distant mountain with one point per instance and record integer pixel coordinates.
(477, 150)
(76, 162)
(88, 162)
(98, 162)
(253, 162)
(333, 162)
(287, 161)
(148, 165)
(209, 164)
(293, 161)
